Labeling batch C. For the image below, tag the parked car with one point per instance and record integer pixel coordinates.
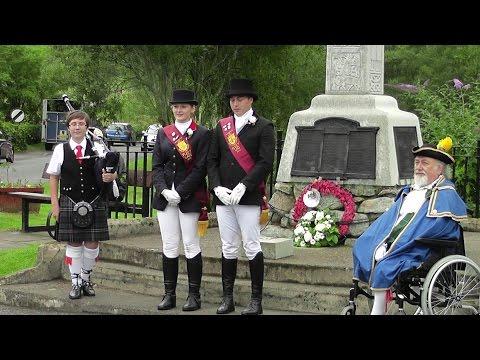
(151, 134)
(120, 132)
(6, 149)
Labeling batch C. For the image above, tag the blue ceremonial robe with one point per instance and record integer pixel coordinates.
(437, 218)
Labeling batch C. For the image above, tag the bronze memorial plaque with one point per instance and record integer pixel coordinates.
(335, 147)
(405, 140)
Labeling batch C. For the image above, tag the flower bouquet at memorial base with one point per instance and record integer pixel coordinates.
(317, 228)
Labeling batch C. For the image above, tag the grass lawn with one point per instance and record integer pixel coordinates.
(140, 161)
(13, 260)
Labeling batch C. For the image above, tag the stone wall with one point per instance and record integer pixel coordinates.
(371, 202)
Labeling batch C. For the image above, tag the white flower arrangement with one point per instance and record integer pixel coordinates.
(252, 120)
(189, 133)
(316, 229)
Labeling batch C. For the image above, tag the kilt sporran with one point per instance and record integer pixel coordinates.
(83, 214)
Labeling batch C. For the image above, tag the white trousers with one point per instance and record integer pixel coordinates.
(175, 225)
(239, 223)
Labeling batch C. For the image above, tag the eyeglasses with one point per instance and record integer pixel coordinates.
(74, 124)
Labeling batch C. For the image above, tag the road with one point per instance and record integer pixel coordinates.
(28, 166)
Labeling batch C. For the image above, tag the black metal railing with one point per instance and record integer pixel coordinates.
(466, 176)
(278, 156)
(137, 174)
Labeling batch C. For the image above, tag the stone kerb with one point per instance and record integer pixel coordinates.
(48, 266)
(119, 228)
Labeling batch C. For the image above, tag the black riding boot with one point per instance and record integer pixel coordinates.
(194, 269)
(229, 272)
(256, 274)
(170, 274)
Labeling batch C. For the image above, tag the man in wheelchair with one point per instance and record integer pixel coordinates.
(430, 208)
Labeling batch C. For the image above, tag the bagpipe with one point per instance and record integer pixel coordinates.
(105, 159)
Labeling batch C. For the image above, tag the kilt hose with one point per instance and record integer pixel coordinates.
(68, 232)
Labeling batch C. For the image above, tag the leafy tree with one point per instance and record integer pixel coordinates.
(20, 80)
(89, 78)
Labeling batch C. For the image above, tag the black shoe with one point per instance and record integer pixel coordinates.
(227, 306)
(76, 292)
(253, 308)
(193, 303)
(87, 288)
(168, 302)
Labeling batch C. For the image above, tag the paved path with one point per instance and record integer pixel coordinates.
(28, 166)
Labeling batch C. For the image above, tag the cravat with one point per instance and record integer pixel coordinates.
(79, 153)
(398, 228)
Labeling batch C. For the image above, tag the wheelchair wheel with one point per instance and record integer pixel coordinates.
(452, 287)
(349, 310)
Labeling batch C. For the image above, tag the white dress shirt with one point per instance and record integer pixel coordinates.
(182, 127)
(56, 161)
(241, 121)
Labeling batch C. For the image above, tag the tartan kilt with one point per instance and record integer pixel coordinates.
(67, 232)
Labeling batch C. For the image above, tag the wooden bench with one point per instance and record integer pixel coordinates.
(27, 199)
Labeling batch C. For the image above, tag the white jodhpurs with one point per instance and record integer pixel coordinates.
(239, 223)
(175, 225)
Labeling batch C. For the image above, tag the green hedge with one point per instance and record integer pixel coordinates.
(21, 134)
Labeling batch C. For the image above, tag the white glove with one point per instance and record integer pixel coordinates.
(223, 194)
(116, 192)
(172, 197)
(237, 193)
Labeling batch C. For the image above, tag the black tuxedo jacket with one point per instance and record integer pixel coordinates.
(224, 170)
(168, 167)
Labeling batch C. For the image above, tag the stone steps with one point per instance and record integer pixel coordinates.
(278, 296)
(52, 296)
(322, 272)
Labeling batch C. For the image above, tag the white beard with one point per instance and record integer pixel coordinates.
(420, 180)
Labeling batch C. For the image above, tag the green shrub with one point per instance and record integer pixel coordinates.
(21, 134)
(452, 111)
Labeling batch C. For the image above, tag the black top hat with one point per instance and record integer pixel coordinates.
(182, 96)
(431, 151)
(240, 87)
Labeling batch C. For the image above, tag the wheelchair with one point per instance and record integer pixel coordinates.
(446, 283)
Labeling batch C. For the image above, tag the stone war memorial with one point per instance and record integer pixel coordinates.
(353, 135)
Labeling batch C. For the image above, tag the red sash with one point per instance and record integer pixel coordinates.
(240, 153)
(181, 142)
(184, 148)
